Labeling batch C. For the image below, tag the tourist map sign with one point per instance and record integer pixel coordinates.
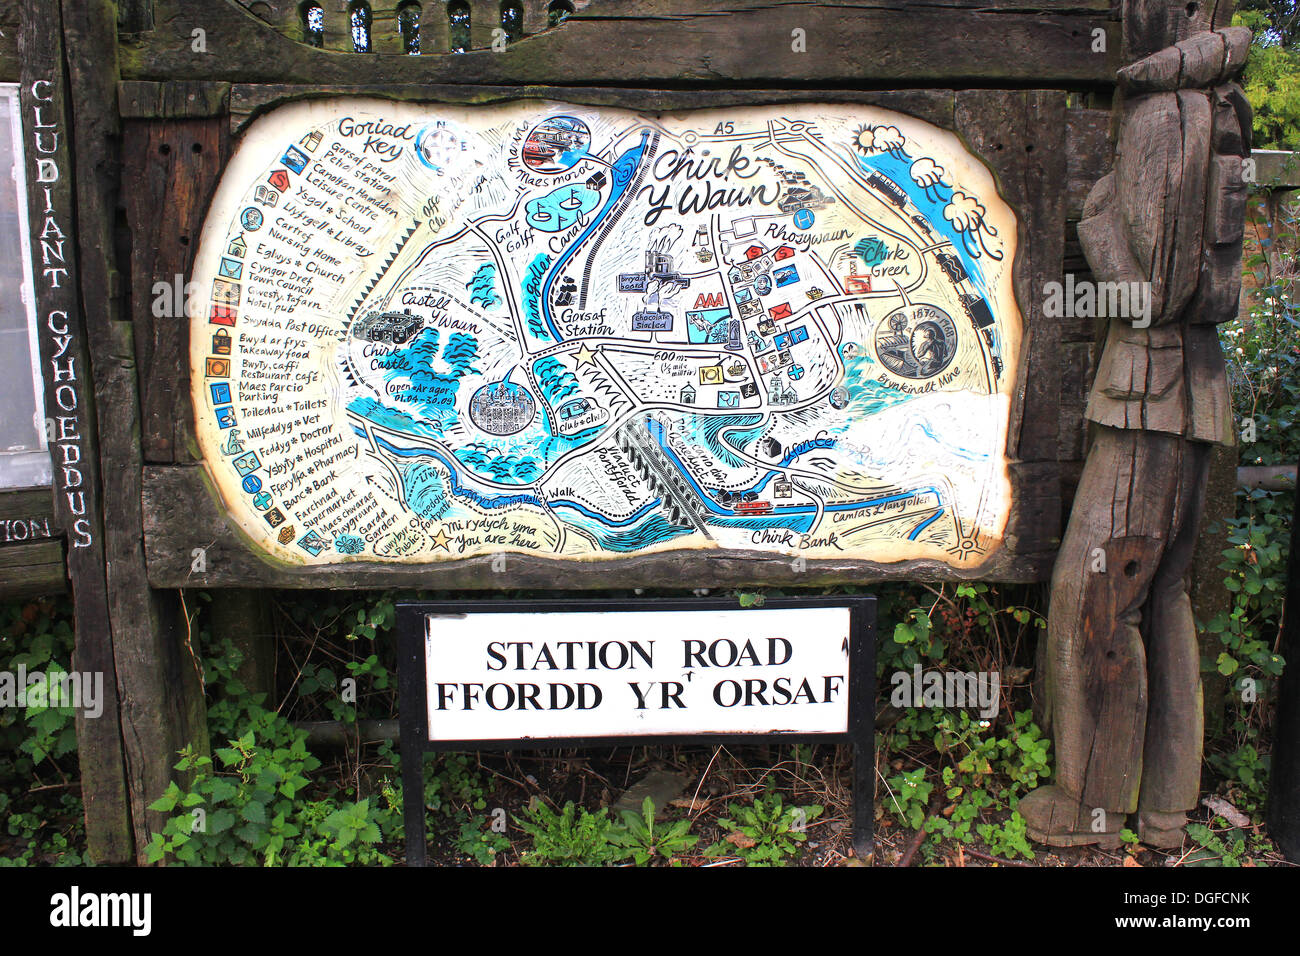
(424, 333)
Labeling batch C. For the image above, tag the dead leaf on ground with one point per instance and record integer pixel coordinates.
(1131, 861)
(1222, 808)
(739, 839)
(692, 804)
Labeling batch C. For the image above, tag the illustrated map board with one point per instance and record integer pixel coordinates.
(425, 333)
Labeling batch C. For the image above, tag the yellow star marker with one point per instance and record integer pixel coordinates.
(583, 356)
(440, 540)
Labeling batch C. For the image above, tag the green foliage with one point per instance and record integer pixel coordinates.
(1262, 358)
(1009, 839)
(983, 770)
(245, 808)
(44, 734)
(456, 792)
(1272, 84)
(362, 630)
(40, 808)
(1246, 768)
(956, 774)
(456, 785)
(953, 627)
(909, 795)
(1274, 21)
(479, 844)
(644, 841)
(767, 832)
(1263, 352)
(54, 838)
(1213, 849)
(914, 634)
(251, 802)
(1256, 564)
(571, 837)
(1272, 75)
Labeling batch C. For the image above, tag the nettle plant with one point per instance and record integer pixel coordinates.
(43, 641)
(247, 814)
(1262, 347)
(41, 817)
(971, 770)
(248, 803)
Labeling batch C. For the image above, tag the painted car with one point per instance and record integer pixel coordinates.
(579, 415)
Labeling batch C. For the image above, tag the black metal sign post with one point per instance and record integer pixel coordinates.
(412, 627)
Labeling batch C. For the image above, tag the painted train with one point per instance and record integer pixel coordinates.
(888, 188)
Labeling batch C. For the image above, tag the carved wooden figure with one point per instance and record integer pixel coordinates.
(1123, 677)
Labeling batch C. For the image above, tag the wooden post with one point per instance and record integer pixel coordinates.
(1284, 783)
(244, 616)
(161, 703)
(70, 406)
(1280, 171)
(1209, 596)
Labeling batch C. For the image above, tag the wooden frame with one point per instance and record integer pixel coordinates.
(157, 91)
(1021, 135)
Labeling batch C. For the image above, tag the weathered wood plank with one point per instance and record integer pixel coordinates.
(1152, 25)
(32, 570)
(247, 101)
(1078, 328)
(1076, 377)
(185, 530)
(70, 401)
(134, 16)
(1276, 168)
(751, 43)
(1207, 591)
(41, 552)
(173, 168)
(160, 699)
(1088, 154)
(36, 503)
(1021, 135)
(175, 99)
(1034, 526)
(286, 15)
(10, 20)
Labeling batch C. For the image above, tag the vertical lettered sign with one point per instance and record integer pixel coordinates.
(70, 412)
(69, 422)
